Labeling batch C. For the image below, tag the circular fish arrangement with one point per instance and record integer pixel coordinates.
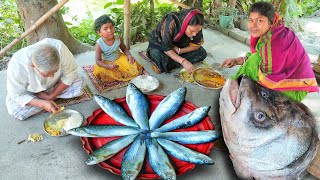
(146, 135)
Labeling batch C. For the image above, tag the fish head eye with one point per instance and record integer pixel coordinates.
(264, 94)
(260, 116)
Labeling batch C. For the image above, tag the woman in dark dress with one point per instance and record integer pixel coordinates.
(177, 41)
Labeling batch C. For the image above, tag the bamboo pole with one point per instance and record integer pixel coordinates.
(184, 6)
(33, 27)
(127, 25)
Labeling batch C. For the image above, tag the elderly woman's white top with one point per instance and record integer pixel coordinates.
(23, 80)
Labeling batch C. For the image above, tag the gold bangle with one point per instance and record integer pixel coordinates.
(178, 50)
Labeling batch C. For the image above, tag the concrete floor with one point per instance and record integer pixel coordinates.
(63, 157)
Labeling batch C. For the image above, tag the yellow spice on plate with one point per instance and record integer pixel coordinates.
(55, 129)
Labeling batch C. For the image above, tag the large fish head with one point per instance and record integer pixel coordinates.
(265, 131)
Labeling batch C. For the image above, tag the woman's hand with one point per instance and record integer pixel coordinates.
(50, 106)
(131, 59)
(229, 63)
(188, 66)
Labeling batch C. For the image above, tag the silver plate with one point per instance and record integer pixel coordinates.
(53, 125)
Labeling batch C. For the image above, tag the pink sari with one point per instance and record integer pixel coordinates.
(285, 66)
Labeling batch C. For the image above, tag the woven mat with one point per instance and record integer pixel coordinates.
(145, 57)
(100, 85)
(87, 95)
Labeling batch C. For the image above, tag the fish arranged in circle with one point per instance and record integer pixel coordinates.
(146, 135)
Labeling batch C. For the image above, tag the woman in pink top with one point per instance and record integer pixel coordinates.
(277, 59)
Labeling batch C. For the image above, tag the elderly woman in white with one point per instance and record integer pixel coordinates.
(39, 74)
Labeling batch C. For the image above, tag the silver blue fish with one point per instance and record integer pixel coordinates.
(133, 159)
(159, 160)
(183, 153)
(103, 131)
(115, 111)
(187, 120)
(138, 106)
(188, 137)
(167, 108)
(110, 149)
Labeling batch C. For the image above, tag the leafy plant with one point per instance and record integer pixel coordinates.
(10, 25)
(226, 11)
(142, 19)
(309, 7)
(83, 30)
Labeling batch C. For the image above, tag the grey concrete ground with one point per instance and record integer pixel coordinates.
(56, 158)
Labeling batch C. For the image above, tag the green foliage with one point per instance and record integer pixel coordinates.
(226, 11)
(143, 20)
(309, 7)
(83, 31)
(10, 25)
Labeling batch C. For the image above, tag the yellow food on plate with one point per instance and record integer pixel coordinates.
(185, 76)
(207, 77)
(59, 123)
(54, 129)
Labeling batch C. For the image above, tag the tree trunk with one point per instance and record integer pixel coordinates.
(232, 3)
(54, 27)
(151, 13)
(127, 26)
(217, 4)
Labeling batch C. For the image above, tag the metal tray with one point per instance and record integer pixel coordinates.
(54, 125)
